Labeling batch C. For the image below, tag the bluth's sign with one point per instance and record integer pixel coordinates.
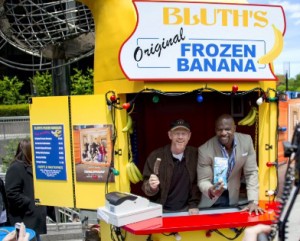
(203, 41)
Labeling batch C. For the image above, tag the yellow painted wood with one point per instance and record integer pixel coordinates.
(267, 136)
(93, 110)
(84, 110)
(49, 111)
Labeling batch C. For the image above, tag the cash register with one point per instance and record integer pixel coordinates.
(123, 208)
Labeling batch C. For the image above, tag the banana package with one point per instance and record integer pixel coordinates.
(133, 173)
(250, 118)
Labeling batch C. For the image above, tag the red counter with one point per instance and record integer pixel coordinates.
(203, 221)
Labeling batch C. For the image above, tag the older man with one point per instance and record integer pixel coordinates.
(170, 176)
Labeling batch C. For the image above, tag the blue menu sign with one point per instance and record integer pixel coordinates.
(49, 152)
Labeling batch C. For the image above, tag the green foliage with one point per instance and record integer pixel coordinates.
(14, 110)
(10, 91)
(42, 83)
(9, 152)
(293, 84)
(82, 84)
(12, 102)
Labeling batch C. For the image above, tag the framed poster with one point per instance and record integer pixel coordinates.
(92, 152)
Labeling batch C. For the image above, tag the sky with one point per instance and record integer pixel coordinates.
(289, 58)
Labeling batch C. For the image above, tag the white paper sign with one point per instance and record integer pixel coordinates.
(203, 41)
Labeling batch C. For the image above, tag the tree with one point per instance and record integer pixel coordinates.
(9, 152)
(82, 84)
(42, 83)
(293, 84)
(10, 91)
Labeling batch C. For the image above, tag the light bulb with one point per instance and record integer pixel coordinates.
(113, 98)
(126, 106)
(234, 88)
(259, 101)
(155, 99)
(199, 98)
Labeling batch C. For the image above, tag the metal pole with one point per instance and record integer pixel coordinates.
(286, 82)
(60, 76)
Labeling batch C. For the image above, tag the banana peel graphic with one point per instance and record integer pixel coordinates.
(56, 133)
(270, 56)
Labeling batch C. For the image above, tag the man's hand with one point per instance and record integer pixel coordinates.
(252, 207)
(153, 182)
(193, 211)
(216, 190)
(251, 233)
(12, 236)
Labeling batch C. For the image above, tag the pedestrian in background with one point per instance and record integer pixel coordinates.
(20, 192)
(3, 205)
(23, 235)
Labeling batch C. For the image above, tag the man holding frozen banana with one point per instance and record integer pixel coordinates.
(170, 176)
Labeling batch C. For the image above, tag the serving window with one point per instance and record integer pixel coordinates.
(153, 113)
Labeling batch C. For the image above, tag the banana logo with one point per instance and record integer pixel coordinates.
(250, 118)
(56, 133)
(128, 126)
(276, 49)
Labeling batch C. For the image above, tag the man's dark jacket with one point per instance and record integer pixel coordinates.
(166, 172)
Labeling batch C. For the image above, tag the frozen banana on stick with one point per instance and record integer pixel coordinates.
(156, 166)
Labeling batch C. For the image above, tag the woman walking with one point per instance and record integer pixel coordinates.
(20, 192)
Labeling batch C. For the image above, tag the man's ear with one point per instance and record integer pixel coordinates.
(170, 135)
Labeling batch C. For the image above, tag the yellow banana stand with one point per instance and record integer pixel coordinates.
(156, 61)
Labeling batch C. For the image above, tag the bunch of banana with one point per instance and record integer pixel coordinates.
(250, 118)
(133, 172)
(128, 126)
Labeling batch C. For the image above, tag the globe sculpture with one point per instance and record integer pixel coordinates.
(49, 30)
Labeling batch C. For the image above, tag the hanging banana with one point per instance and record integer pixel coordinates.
(241, 122)
(137, 171)
(128, 126)
(253, 120)
(133, 172)
(250, 118)
(132, 177)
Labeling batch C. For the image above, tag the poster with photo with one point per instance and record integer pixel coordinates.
(92, 150)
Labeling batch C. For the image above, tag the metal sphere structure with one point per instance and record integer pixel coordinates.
(46, 29)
